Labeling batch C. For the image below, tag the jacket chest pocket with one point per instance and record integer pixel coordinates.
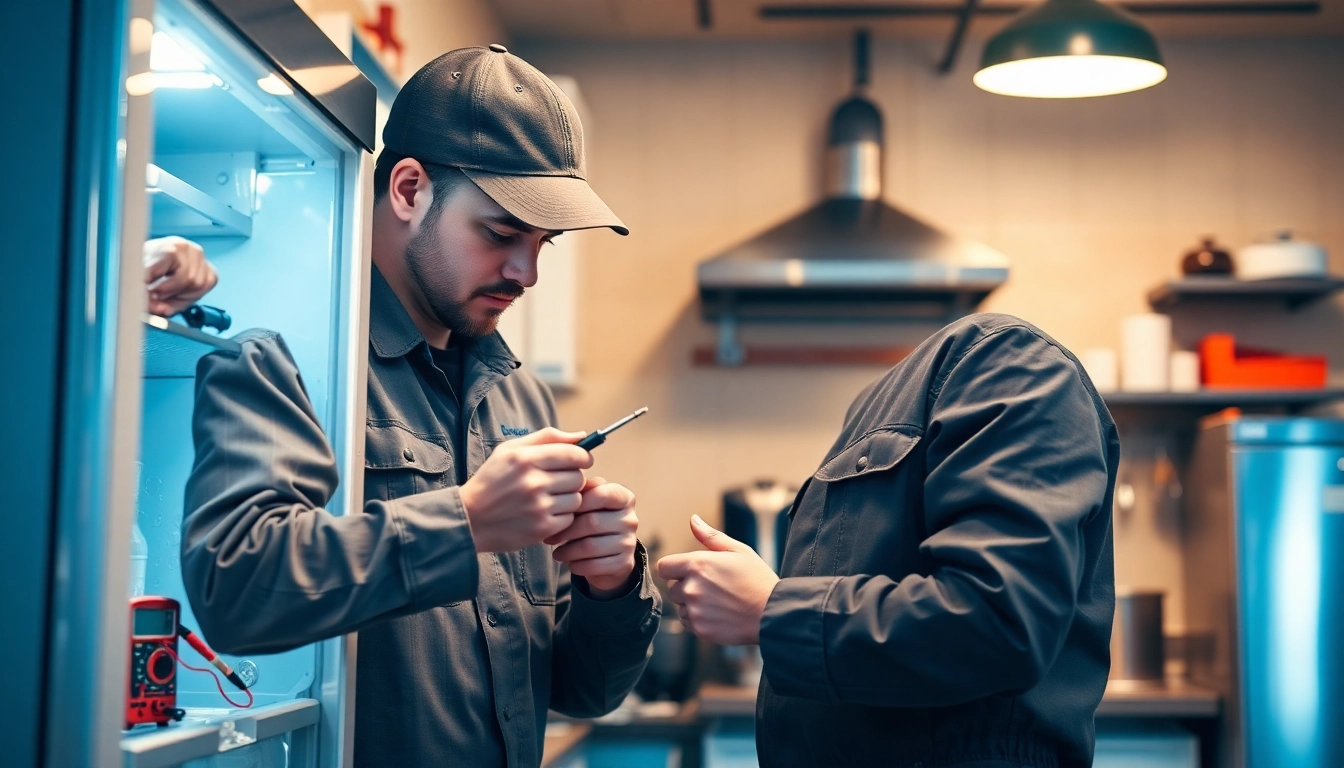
(860, 498)
(400, 463)
(535, 571)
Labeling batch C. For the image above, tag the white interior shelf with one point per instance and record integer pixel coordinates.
(170, 350)
(207, 733)
(177, 208)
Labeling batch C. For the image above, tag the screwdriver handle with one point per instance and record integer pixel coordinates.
(591, 441)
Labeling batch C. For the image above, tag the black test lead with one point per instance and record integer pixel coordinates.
(599, 437)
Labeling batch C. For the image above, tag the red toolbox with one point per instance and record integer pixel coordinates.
(1223, 364)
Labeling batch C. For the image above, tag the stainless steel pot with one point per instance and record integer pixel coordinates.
(1137, 652)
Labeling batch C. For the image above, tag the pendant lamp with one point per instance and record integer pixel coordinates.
(1066, 49)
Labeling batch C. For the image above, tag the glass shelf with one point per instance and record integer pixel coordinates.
(177, 208)
(170, 350)
(204, 733)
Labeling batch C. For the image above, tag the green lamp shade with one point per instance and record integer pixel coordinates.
(1068, 49)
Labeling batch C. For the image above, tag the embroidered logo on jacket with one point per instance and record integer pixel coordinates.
(514, 431)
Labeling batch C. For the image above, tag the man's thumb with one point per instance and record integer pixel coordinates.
(713, 540)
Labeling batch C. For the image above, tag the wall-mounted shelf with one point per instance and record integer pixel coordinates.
(368, 63)
(170, 350)
(803, 356)
(177, 208)
(1293, 292)
(201, 736)
(1211, 400)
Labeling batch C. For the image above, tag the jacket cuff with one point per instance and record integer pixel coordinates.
(793, 637)
(618, 615)
(438, 553)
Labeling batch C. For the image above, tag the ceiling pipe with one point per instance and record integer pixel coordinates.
(907, 10)
(958, 37)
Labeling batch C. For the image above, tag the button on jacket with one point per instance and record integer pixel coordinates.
(460, 654)
(947, 587)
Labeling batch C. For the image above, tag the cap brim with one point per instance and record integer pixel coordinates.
(548, 202)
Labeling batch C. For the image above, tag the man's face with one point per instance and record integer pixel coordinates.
(471, 259)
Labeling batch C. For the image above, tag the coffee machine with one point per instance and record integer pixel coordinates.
(756, 514)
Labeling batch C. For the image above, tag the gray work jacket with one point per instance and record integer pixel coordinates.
(460, 654)
(947, 585)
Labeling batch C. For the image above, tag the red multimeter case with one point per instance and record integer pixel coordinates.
(152, 697)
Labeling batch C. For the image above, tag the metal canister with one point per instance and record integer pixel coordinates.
(1137, 653)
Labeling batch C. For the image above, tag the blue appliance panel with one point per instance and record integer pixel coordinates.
(1288, 485)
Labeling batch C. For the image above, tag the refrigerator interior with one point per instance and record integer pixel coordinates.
(255, 175)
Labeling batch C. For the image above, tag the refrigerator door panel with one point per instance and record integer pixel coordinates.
(1290, 542)
(335, 738)
(89, 615)
(34, 301)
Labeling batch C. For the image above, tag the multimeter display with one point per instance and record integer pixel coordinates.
(151, 622)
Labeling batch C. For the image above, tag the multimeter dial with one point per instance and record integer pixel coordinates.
(160, 666)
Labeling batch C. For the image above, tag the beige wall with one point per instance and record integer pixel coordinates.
(697, 145)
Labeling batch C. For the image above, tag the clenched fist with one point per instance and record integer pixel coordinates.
(600, 544)
(176, 274)
(527, 491)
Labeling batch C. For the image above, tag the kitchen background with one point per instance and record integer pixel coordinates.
(699, 141)
(700, 138)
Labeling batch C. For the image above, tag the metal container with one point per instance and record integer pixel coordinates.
(1263, 555)
(1137, 653)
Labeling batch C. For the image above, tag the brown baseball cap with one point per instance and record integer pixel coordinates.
(509, 128)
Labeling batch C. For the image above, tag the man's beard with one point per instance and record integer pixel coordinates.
(423, 254)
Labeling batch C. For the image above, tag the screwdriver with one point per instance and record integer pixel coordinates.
(599, 437)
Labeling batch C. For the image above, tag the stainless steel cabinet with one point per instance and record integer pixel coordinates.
(1264, 567)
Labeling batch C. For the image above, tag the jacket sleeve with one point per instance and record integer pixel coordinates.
(601, 646)
(1015, 464)
(266, 567)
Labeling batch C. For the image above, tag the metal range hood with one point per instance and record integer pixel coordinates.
(852, 255)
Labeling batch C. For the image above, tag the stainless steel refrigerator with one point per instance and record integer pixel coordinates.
(1264, 580)
(240, 125)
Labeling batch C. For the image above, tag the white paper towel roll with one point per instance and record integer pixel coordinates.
(1145, 351)
(1102, 368)
(1184, 371)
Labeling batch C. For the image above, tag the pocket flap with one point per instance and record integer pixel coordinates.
(874, 452)
(391, 446)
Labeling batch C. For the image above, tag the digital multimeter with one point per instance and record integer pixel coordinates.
(152, 697)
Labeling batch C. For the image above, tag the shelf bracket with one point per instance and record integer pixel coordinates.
(730, 351)
(958, 36)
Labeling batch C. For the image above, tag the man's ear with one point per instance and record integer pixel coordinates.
(409, 191)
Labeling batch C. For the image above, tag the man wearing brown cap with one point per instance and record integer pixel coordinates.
(489, 578)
